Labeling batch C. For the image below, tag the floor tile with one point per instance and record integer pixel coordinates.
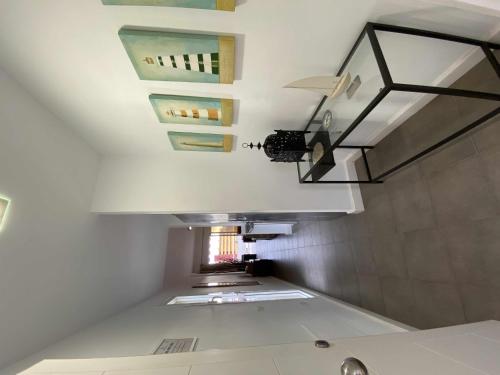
(491, 160)
(371, 192)
(339, 229)
(331, 276)
(462, 192)
(388, 255)
(350, 289)
(489, 234)
(357, 225)
(431, 124)
(371, 294)
(410, 201)
(426, 256)
(315, 233)
(479, 302)
(380, 216)
(447, 156)
(487, 135)
(472, 109)
(346, 272)
(398, 299)
(496, 300)
(437, 304)
(408, 175)
(481, 77)
(363, 257)
(394, 150)
(463, 242)
(326, 232)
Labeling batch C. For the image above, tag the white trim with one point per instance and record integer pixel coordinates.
(355, 190)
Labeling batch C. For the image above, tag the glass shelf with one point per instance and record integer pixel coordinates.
(389, 73)
(366, 84)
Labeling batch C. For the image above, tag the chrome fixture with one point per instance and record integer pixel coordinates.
(353, 366)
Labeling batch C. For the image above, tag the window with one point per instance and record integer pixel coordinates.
(223, 244)
(239, 297)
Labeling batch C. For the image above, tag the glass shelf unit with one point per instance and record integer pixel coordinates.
(389, 71)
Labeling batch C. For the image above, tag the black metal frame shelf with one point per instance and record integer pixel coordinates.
(389, 85)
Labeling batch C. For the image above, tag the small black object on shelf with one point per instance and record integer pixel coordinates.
(247, 257)
(286, 146)
(325, 162)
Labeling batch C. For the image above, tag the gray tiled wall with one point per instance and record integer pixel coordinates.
(426, 250)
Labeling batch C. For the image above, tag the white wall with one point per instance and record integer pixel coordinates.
(161, 180)
(61, 267)
(185, 251)
(487, 7)
(219, 184)
(180, 254)
(94, 88)
(139, 330)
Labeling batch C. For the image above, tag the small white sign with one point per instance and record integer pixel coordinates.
(169, 346)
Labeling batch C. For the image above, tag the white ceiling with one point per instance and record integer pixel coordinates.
(69, 56)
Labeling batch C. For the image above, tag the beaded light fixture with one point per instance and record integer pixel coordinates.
(286, 146)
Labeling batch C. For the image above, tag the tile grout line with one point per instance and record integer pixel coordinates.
(437, 228)
(397, 234)
(491, 184)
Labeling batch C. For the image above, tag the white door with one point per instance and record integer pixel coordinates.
(462, 350)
